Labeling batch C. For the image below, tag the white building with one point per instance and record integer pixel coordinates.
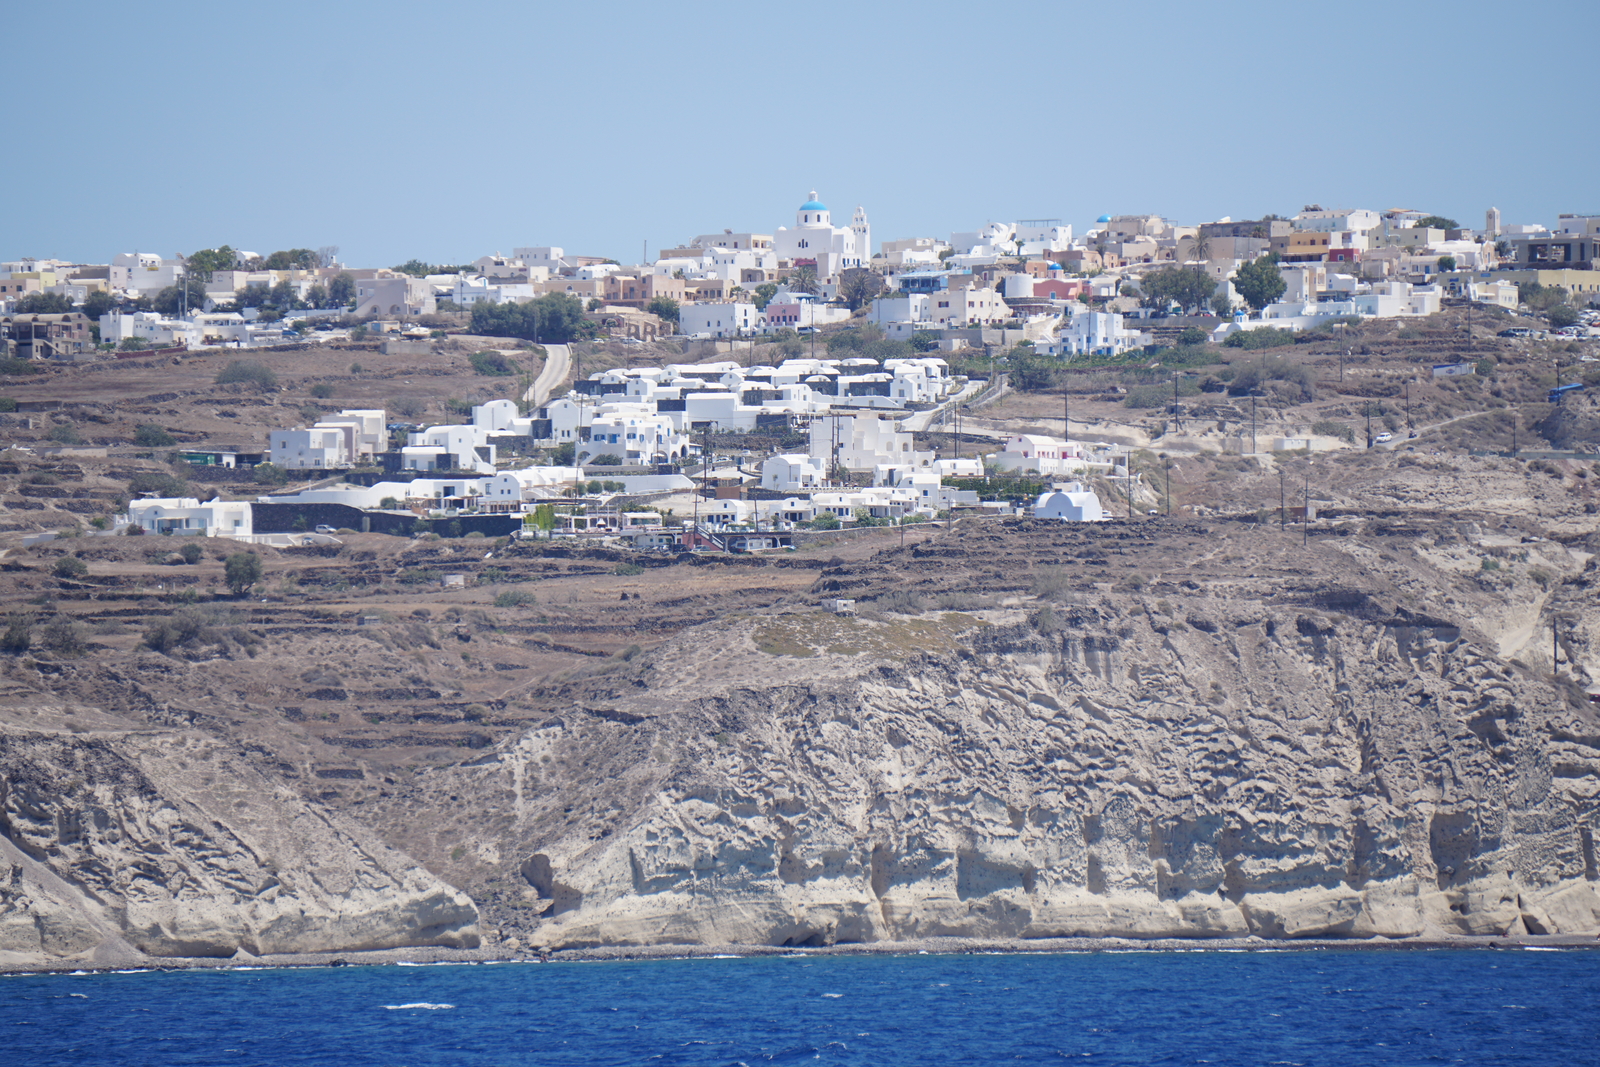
(815, 237)
(718, 320)
(1039, 454)
(187, 516)
(1072, 505)
(313, 448)
(788, 473)
(144, 272)
(1092, 332)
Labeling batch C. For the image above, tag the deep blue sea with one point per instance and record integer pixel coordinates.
(1268, 1008)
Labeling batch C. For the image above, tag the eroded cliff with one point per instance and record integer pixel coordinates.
(115, 844)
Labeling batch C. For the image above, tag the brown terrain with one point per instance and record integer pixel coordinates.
(1214, 723)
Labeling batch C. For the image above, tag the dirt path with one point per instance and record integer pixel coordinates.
(558, 360)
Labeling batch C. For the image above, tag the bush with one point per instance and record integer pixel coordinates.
(66, 434)
(157, 483)
(1564, 315)
(1193, 335)
(322, 390)
(493, 364)
(17, 636)
(7, 404)
(418, 576)
(514, 598)
(1333, 428)
(63, 637)
(825, 521)
(185, 627)
(17, 366)
(150, 435)
(1266, 337)
(70, 567)
(1249, 378)
(606, 459)
(627, 570)
(248, 372)
(356, 368)
(269, 474)
(191, 553)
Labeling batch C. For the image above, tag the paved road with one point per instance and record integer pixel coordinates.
(558, 360)
(919, 421)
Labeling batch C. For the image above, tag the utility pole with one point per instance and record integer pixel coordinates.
(1307, 516)
(1252, 422)
(1168, 461)
(1283, 505)
(1369, 424)
(1554, 649)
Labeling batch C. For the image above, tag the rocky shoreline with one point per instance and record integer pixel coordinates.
(434, 955)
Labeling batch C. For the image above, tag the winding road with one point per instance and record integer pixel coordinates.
(557, 361)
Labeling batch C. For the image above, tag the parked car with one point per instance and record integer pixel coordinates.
(325, 529)
(1384, 438)
(1517, 331)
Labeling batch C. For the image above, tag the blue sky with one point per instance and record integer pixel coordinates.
(394, 129)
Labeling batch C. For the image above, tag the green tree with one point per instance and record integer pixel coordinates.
(241, 571)
(317, 296)
(859, 286)
(923, 341)
(291, 259)
(1200, 247)
(149, 435)
(414, 267)
(492, 364)
(99, 302)
(556, 317)
(825, 520)
(803, 279)
(170, 301)
(206, 262)
(1563, 315)
(1222, 304)
(664, 308)
(1259, 282)
(66, 434)
(1438, 222)
(322, 391)
(191, 553)
(1447, 263)
(45, 304)
(70, 567)
(341, 289)
(133, 344)
(763, 295)
(1192, 336)
(1188, 287)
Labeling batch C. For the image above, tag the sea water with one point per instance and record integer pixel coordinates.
(1269, 1008)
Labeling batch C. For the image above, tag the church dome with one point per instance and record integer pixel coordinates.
(813, 204)
(1103, 218)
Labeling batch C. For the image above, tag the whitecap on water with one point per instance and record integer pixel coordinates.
(833, 996)
(423, 1007)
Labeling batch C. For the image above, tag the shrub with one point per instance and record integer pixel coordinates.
(1193, 335)
(191, 553)
(66, 434)
(825, 521)
(70, 567)
(185, 627)
(418, 576)
(1249, 378)
(158, 483)
(492, 364)
(63, 637)
(1333, 428)
(1490, 564)
(17, 366)
(269, 474)
(322, 390)
(7, 404)
(150, 435)
(627, 570)
(248, 372)
(606, 459)
(356, 368)
(514, 598)
(1265, 337)
(17, 636)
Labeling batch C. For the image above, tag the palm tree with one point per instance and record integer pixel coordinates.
(1202, 246)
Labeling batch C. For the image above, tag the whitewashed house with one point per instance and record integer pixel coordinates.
(187, 516)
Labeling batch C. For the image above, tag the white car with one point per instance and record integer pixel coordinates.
(1384, 438)
(326, 530)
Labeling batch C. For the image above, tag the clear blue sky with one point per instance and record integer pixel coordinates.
(394, 128)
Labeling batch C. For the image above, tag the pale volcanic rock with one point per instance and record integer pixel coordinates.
(173, 844)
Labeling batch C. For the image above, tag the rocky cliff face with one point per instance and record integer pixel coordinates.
(172, 844)
(1275, 758)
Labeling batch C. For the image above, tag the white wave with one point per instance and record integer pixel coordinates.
(833, 996)
(422, 1006)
